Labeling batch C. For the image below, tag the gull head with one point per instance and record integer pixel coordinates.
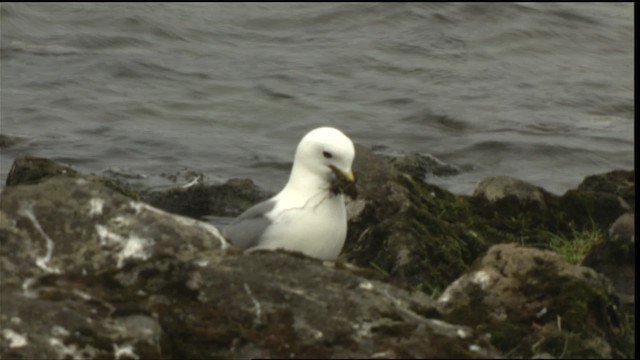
(325, 155)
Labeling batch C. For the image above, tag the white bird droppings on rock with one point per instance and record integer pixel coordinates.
(95, 206)
(367, 285)
(26, 210)
(125, 351)
(482, 279)
(15, 340)
(132, 247)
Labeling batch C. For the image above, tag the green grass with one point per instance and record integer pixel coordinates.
(575, 248)
(379, 269)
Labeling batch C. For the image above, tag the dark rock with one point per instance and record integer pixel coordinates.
(31, 170)
(617, 182)
(89, 273)
(588, 208)
(422, 165)
(615, 258)
(413, 231)
(28, 170)
(532, 302)
(426, 237)
(600, 199)
(228, 199)
(8, 141)
(524, 213)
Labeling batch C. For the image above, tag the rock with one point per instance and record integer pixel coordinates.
(615, 258)
(8, 141)
(617, 182)
(413, 231)
(426, 237)
(531, 302)
(57, 239)
(228, 199)
(89, 273)
(80, 226)
(520, 212)
(497, 188)
(623, 229)
(31, 170)
(28, 170)
(600, 199)
(118, 278)
(462, 226)
(422, 165)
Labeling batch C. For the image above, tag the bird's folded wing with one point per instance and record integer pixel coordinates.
(248, 228)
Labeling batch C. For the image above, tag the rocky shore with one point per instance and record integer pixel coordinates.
(92, 268)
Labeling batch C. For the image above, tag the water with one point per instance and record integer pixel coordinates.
(543, 92)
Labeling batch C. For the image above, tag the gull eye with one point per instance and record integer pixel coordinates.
(327, 155)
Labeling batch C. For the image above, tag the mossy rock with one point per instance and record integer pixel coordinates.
(426, 236)
(29, 170)
(532, 302)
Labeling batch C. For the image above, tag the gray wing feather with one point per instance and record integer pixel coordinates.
(247, 229)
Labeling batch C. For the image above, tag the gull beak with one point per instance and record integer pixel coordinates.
(344, 182)
(349, 176)
(343, 175)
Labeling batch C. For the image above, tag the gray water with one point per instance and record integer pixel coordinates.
(541, 91)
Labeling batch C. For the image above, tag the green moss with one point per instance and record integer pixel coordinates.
(441, 220)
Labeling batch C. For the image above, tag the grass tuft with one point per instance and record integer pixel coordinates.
(575, 248)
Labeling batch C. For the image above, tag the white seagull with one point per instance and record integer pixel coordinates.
(309, 214)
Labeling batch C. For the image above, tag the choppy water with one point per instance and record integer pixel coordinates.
(539, 91)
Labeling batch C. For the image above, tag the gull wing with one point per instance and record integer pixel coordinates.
(247, 229)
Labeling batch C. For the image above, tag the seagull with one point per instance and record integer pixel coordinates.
(308, 215)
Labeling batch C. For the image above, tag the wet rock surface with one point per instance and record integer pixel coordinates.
(88, 270)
